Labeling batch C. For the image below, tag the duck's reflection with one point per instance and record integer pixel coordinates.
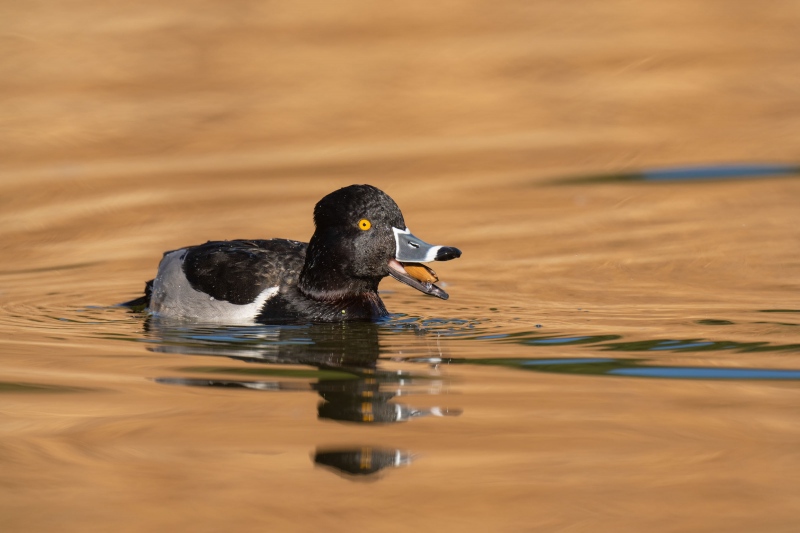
(363, 400)
(361, 461)
(344, 372)
(352, 387)
(367, 400)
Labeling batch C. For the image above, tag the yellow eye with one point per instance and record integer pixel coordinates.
(364, 224)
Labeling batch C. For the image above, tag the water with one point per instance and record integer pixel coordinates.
(640, 357)
(621, 347)
(628, 376)
(698, 173)
(630, 367)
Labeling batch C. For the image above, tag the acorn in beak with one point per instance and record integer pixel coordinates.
(407, 266)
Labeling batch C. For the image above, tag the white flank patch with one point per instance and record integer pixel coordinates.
(174, 297)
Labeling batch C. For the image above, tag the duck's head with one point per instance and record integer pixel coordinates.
(361, 237)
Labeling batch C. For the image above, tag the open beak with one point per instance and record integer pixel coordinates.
(407, 266)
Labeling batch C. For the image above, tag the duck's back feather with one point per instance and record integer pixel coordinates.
(224, 281)
(239, 271)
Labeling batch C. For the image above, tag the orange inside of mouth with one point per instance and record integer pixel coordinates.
(420, 272)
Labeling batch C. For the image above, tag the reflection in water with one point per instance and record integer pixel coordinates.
(325, 346)
(346, 365)
(368, 400)
(363, 461)
(354, 349)
(604, 342)
(695, 173)
(622, 367)
(15, 386)
(696, 345)
(345, 375)
(345, 355)
(309, 344)
(486, 331)
(363, 399)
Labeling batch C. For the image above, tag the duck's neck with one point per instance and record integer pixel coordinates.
(326, 282)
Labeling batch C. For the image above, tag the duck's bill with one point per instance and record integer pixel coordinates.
(418, 276)
(410, 249)
(407, 265)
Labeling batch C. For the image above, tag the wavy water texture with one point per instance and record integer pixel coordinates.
(620, 350)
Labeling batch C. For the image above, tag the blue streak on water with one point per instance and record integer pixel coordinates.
(676, 345)
(558, 340)
(575, 361)
(705, 373)
(719, 172)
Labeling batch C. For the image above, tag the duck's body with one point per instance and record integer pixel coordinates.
(360, 238)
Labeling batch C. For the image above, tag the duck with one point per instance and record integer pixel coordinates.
(360, 237)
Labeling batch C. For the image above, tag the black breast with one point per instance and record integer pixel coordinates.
(238, 271)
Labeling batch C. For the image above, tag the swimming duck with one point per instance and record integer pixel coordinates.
(360, 238)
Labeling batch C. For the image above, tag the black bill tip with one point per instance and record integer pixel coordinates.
(446, 253)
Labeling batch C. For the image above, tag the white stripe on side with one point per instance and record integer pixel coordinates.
(174, 297)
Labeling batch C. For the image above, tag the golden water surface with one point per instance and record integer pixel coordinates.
(601, 364)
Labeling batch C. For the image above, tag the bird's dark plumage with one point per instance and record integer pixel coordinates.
(360, 238)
